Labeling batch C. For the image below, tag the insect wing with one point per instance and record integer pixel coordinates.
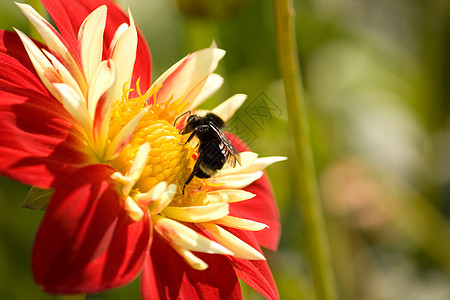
(231, 153)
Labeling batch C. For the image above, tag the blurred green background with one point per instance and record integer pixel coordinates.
(376, 75)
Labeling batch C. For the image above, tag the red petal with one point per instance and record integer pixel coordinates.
(262, 208)
(16, 68)
(68, 16)
(38, 142)
(175, 279)
(255, 273)
(86, 242)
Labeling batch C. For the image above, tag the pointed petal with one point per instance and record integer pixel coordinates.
(102, 80)
(139, 162)
(240, 248)
(247, 159)
(75, 105)
(227, 108)
(262, 208)
(54, 42)
(124, 135)
(261, 163)
(212, 83)
(193, 214)
(42, 65)
(63, 73)
(87, 231)
(255, 273)
(180, 281)
(90, 36)
(192, 70)
(39, 143)
(239, 181)
(189, 257)
(184, 237)
(68, 16)
(233, 195)
(239, 223)
(124, 56)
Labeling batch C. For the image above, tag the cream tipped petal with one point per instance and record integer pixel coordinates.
(102, 80)
(247, 159)
(53, 42)
(124, 55)
(238, 246)
(227, 108)
(261, 163)
(184, 237)
(133, 210)
(121, 139)
(165, 198)
(119, 31)
(64, 74)
(195, 214)
(242, 224)
(190, 73)
(138, 165)
(233, 195)
(239, 181)
(154, 194)
(90, 36)
(42, 65)
(189, 257)
(211, 85)
(74, 105)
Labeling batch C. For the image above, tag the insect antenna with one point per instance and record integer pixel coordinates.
(177, 118)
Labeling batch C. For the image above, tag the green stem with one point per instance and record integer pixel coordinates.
(305, 175)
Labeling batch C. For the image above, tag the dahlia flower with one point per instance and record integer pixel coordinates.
(81, 122)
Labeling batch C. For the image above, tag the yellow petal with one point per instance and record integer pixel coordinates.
(238, 246)
(242, 224)
(195, 214)
(90, 36)
(184, 237)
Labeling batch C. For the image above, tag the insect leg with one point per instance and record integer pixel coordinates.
(196, 167)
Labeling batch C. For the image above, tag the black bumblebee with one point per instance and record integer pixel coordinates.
(215, 148)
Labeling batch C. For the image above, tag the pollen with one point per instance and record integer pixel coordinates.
(168, 160)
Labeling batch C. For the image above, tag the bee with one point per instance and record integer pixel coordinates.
(214, 149)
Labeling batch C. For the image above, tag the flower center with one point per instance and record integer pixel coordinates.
(168, 160)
